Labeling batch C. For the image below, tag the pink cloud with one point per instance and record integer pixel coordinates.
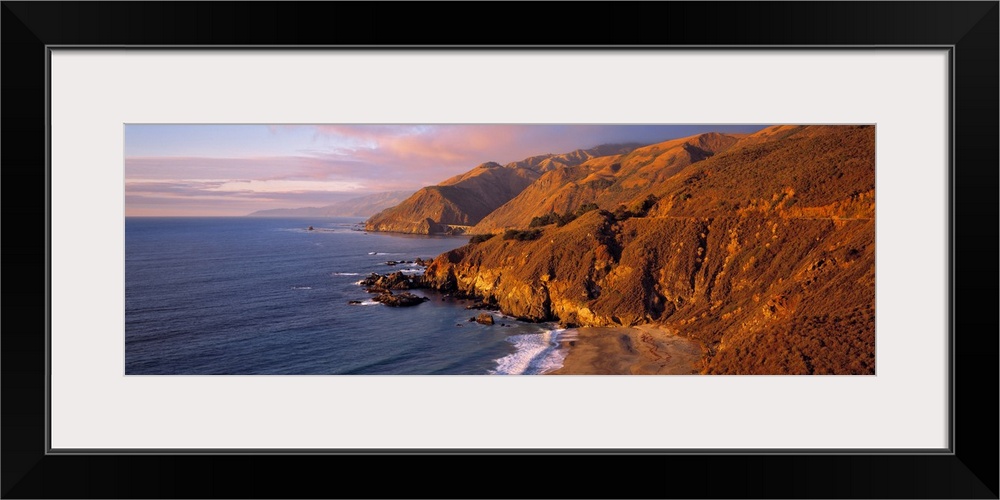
(336, 160)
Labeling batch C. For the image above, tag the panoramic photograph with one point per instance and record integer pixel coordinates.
(405, 249)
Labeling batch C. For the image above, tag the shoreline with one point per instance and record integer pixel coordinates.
(637, 350)
(605, 350)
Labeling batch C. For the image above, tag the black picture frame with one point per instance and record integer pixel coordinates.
(969, 29)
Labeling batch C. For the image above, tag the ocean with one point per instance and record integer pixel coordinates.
(246, 296)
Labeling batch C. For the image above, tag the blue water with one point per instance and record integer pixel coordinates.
(267, 296)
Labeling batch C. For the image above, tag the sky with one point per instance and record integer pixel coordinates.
(233, 170)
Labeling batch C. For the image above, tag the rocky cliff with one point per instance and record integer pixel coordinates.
(764, 251)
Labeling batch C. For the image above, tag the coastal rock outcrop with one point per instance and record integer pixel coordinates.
(393, 281)
(404, 299)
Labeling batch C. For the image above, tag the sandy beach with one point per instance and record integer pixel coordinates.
(640, 350)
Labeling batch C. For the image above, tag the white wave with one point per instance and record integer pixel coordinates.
(412, 271)
(366, 302)
(302, 288)
(534, 354)
(345, 274)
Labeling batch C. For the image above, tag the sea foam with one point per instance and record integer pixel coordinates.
(534, 354)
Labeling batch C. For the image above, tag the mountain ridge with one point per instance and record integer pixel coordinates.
(461, 201)
(608, 181)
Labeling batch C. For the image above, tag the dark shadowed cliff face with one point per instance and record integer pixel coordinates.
(765, 253)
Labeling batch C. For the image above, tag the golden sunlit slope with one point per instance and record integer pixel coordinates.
(545, 163)
(462, 200)
(465, 199)
(819, 171)
(608, 181)
(765, 253)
